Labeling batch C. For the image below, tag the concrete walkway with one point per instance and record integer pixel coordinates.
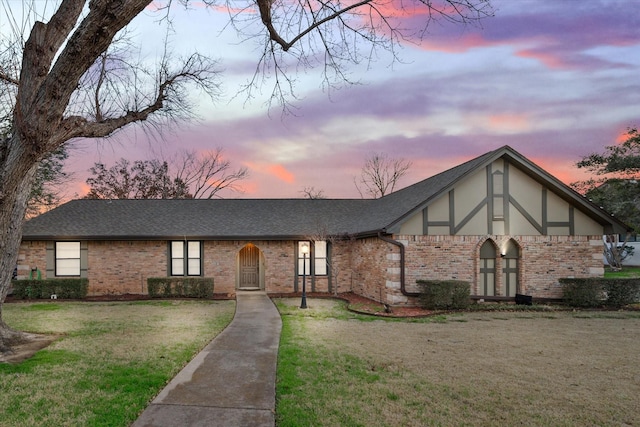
(232, 381)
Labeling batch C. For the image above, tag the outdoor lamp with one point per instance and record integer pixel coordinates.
(304, 248)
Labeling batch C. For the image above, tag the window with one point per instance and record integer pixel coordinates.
(487, 279)
(186, 259)
(316, 256)
(67, 255)
(510, 269)
(320, 258)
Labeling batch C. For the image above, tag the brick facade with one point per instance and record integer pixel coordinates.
(369, 267)
(120, 267)
(32, 255)
(543, 260)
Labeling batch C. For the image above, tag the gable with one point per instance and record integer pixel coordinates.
(503, 197)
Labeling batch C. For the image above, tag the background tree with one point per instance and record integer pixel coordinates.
(380, 175)
(206, 174)
(616, 185)
(190, 175)
(312, 193)
(616, 189)
(142, 179)
(48, 188)
(54, 75)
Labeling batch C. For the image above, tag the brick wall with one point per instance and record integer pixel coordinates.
(32, 255)
(277, 258)
(543, 260)
(119, 267)
(368, 267)
(123, 267)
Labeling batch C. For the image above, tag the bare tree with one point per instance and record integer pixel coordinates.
(45, 80)
(51, 181)
(207, 173)
(142, 179)
(380, 175)
(312, 193)
(615, 252)
(334, 35)
(56, 81)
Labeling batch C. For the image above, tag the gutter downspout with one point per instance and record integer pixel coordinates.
(402, 263)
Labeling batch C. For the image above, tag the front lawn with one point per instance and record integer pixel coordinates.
(551, 368)
(110, 361)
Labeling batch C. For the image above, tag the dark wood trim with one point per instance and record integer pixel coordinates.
(425, 221)
(525, 214)
(438, 224)
(470, 216)
(572, 222)
(545, 217)
(489, 199)
(452, 217)
(505, 198)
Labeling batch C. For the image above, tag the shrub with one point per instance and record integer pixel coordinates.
(621, 292)
(68, 288)
(192, 287)
(595, 292)
(585, 292)
(444, 294)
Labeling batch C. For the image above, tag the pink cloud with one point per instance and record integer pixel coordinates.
(509, 122)
(281, 173)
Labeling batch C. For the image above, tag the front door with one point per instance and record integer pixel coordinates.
(250, 267)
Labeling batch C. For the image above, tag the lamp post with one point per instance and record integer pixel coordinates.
(304, 248)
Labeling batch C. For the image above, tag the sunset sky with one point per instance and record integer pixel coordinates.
(554, 79)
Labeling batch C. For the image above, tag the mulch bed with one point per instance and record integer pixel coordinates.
(364, 305)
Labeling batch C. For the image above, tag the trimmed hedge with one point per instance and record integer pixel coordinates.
(598, 291)
(69, 288)
(191, 287)
(444, 294)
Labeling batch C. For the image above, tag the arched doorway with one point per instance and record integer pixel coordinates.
(510, 257)
(250, 268)
(487, 278)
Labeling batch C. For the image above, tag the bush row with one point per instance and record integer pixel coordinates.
(598, 291)
(71, 288)
(444, 294)
(191, 287)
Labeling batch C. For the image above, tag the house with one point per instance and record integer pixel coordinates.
(498, 221)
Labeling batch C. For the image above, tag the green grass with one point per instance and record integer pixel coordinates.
(626, 272)
(110, 361)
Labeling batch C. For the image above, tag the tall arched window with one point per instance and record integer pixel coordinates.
(510, 257)
(487, 279)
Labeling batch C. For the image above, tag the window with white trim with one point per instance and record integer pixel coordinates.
(186, 258)
(317, 256)
(320, 258)
(67, 259)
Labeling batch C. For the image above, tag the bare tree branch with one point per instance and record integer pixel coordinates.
(207, 174)
(380, 175)
(312, 193)
(331, 33)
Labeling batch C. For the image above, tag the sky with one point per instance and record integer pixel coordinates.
(554, 79)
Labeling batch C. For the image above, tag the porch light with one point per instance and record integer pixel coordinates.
(304, 248)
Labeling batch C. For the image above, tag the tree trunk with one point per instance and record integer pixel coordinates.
(17, 174)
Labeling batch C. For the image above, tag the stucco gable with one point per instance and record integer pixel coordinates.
(468, 176)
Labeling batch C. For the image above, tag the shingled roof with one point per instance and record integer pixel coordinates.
(271, 219)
